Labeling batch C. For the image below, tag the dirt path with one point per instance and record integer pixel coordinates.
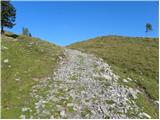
(82, 87)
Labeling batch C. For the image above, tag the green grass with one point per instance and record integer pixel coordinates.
(85, 112)
(146, 106)
(74, 77)
(31, 58)
(136, 58)
(28, 58)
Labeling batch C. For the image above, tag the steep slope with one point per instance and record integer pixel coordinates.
(24, 62)
(132, 58)
(42, 80)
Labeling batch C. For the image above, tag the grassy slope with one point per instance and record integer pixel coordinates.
(136, 58)
(29, 59)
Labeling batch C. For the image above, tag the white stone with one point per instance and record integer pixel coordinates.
(145, 114)
(4, 48)
(17, 79)
(25, 109)
(31, 117)
(62, 113)
(70, 104)
(6, 61)
(129, 79)
(52, 117)
(55, 99)
(22, 116)
(133, 92)
(74, 108)
(104, 109)
(31, 43)
(157, 102)
(124, 80)
(107, 77)
(93, 112)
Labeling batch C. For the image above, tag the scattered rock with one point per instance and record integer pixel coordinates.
(70, 104)
(4, 48)
(104, 109)
(22, 116)
(62, 114)
(55, 99)
(6, 61)
(129, 79)
(35, 79)
(157, 102)
(25, 109)
(52, 117)
(145, 115)
(124, 80)
(60, 58)
(31, 43)
(107, 77)
(17, 79)
(59, 107)
(88, 93)
(93, 112)
(9, 66)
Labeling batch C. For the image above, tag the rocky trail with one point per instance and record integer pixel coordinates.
(83, 86)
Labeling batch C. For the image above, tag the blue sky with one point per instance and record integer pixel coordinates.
(64, 23)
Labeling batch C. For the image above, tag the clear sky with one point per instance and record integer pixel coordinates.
(68, 22)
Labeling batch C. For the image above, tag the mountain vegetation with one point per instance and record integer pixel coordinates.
(28, 61)
(25, 61)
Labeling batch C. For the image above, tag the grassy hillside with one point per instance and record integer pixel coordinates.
(25, 61)
(135, 58)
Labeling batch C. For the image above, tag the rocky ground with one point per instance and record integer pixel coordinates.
(82, 87)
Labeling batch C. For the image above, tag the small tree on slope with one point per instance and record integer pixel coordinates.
(148, 28)
(25, 31)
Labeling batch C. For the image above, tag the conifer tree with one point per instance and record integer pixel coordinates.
(8, 15)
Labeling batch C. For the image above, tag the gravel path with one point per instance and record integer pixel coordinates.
(82, 87)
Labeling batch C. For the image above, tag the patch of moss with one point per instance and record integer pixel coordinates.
(109, 101)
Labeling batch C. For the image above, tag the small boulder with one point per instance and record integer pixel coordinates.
(107, 77)
(17, 79)
(25, 109)
(145, 115)
(70, 104)
(4, 48)
(124, 80)
(62, 113)
(22, 116)
(6, 61)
